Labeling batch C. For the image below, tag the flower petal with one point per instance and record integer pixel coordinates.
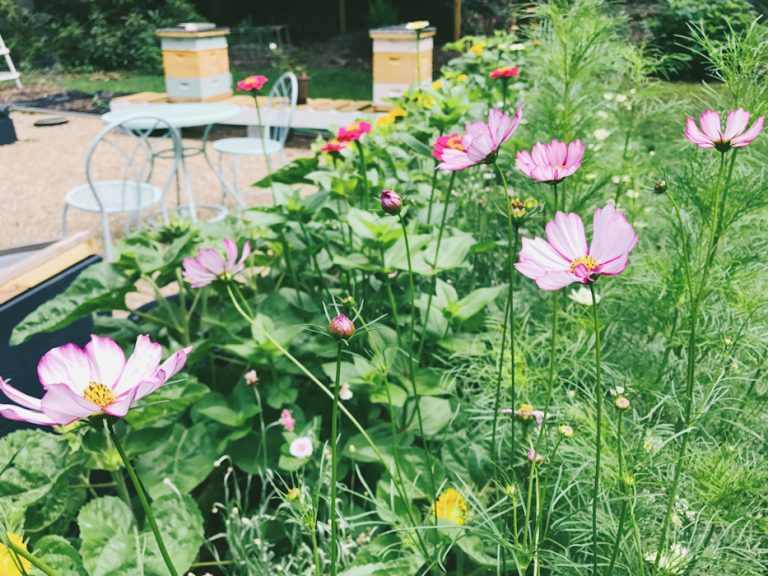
(696, 136)
(542, 254)
(62, 405)
(107, 360)
(566, 234)
(141, 366)
(119, 408)
(66, 364)
(165, 372)
(231, 249)
(211, 260)
(555, 280)
(710, 124)
(613, 238)
(18, 396)
(747, 137)
(735, 123)
(19, 414)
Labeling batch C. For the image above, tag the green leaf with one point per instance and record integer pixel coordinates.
(166, 403)
(98, 288)
(436, 413)
(181, 525)
(60, 555)
(111, 552)
(294, 173)
(185, 457)
(233, 411)
(475, 301)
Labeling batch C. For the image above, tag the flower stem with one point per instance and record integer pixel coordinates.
(263, 130)
(431, 197)
(36, 562)
(416, 397)
(143, 500)
(363, 172)
(335, 463)
(624, 503)
(599, 425)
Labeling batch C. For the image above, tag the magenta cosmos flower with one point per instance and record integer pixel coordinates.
(449, 142)
(209, 265)
(333, 147)
(97, 379)
(252, 83)
(551, 162)
(564, 258)
(508, 72)
(711, 135)
(481, 141)
(353, 132)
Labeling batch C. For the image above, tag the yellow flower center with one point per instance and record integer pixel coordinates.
(451, 506)
(588, 261)
(99, 394)
(9, 561)
(455, 143)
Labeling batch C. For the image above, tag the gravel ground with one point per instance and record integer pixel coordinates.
(37, 171)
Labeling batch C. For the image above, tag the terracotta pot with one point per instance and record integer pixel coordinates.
(303, 89)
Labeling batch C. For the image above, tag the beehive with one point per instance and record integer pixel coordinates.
(196, 64)
(395, 49)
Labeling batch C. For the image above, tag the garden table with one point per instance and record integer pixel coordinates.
(180, 116)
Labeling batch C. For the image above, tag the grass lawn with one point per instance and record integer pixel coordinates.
(324, 83)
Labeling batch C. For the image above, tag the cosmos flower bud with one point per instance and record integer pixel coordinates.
(622, 403)
(391, 202)
(293, 494)
(660, 187)
(565, 431)
(342, 327)
(510, 490)
(533, 455)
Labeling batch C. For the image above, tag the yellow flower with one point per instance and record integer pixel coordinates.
(428, 102)
(8, 560)
(451, 506)
(476, 49)
(397, 112)
(461, 78)
(383, 121)
(437, 84)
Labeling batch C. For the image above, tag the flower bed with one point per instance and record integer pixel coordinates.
(425, 367)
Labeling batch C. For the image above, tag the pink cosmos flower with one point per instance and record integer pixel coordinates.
(508, 72)
(209, 265)
(482, 141)
(551, 162)
(97, 379)
(301, 447)
(711, 135)
(353, 132)
(287, 421)
(533, 455)
(451, 142)
(564, 258)
(252, 83)
(333, 147)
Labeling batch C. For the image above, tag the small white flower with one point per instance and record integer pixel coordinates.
(517, 47)
(608, 96)
(301, 447)
(602, 114)
(615, 179)
(621, 98)
(601, 134)
(634, 194)
(571, 394)
(583, 296)
(346, 392)
(272, 46)
(652, 153)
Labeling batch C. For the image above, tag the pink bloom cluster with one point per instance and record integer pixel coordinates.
(450, 142)
(97, 379)
(333, 147)
(481, 141)
(287, 421)
(711, 134)
(551, 162)
(252, 83)
(508, 72)
(564, 257)
(209, 265)
(353, 132)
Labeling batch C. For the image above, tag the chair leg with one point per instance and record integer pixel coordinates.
(107, 237)
(64, 226)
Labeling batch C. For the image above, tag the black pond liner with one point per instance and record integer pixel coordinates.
(72, 101)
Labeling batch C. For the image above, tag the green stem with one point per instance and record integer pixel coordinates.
(431, 197)
(36, 562)
(150, 515)
(120, 486)
(335, 463)
(412, 374)
(440, 233)
(624, 505)
(183, 305)
(599, 425)
(692, 341)
(363, 172)
(289, 264)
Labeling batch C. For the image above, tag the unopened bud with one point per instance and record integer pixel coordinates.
(391, 202)
(251, 378)
(565, 431)
(342, 327)
(622, 403)
(660, 187)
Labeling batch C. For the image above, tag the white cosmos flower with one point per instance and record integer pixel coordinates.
(583, 296)
(301, 447)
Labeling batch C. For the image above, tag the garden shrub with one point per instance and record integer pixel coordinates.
(90, 34)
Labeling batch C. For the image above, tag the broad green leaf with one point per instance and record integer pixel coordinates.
(436, 413)
(98, 288)
(58, 553)
(181, 524)
(233, 410)
(475, 301)
(185, 457)
(112, 552)
(166, 403)
(295, 172)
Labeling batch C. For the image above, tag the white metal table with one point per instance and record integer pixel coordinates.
(180, 116)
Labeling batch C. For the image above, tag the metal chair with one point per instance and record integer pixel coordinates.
(277, 123)
(119, 168)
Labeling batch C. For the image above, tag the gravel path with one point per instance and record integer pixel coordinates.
(37, 171)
